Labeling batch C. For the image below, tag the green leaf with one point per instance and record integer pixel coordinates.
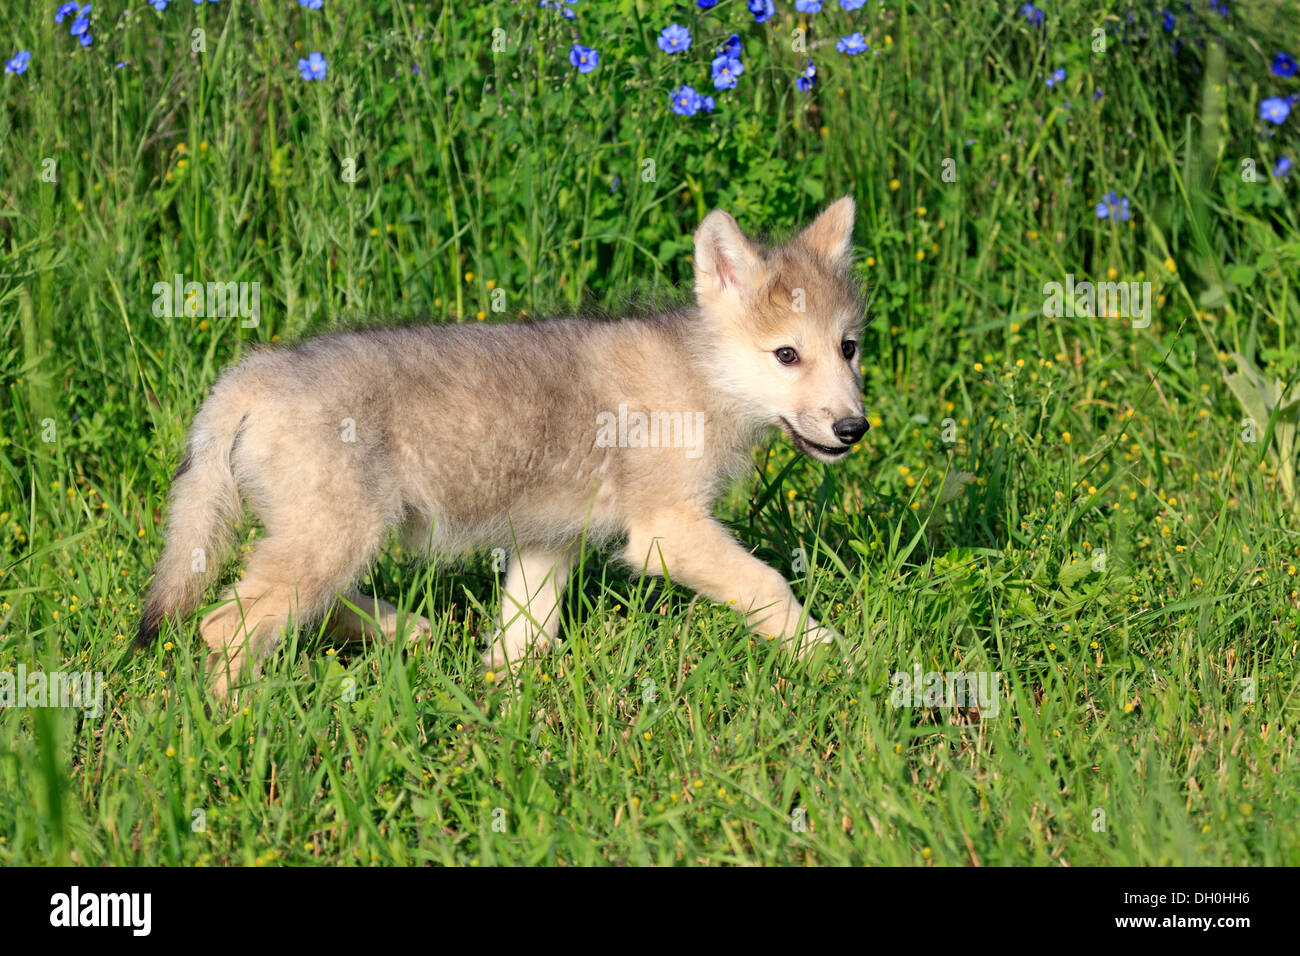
(1241, 275)
(1074, 572)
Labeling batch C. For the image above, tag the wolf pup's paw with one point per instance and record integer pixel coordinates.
(815, 636)
(223, 675)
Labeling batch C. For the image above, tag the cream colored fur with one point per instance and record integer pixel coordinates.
(468, 438)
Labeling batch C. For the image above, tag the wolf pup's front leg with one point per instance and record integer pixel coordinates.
(530, 604)
(696, 551)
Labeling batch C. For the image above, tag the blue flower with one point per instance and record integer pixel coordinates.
(707, 4)
(19, 62)
(1056, 77)
(1167, 19)
(64, 11)
(1032, 14)
(732, 47)
(159, 5)
(1274, 109)
(1113, 207)
(1282, 168)
(82, 22)
(584, 58)
(808, 6)
(806, 78)
(553, 5)
(1283, 65)
(1098, 94)
(853, 44)
(725, 71)
(686, 102)
(1220, 7)
(311, 4)
(314, 67)
(853, 4)
(707, 104)
(675, 39)
(762, 10)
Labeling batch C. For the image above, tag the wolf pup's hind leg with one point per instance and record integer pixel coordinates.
(289, 576)
(376, 620)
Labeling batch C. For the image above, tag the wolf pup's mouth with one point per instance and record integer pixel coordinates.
(812, 449)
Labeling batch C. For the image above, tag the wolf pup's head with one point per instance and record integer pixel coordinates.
(786, 324)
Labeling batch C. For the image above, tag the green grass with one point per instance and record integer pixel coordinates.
(1157, 685)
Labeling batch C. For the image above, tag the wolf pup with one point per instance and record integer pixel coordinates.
(530, 438)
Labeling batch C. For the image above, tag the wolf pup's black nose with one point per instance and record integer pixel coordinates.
(849, 430)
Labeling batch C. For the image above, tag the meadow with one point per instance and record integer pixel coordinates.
(1124, 557)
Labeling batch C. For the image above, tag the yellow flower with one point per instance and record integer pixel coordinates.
(894, 184)
(979, 367)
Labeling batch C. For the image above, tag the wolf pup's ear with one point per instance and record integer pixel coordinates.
(726, 262)
(830, 237)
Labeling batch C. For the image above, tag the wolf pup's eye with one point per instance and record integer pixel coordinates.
(787, 356)
(849, 348)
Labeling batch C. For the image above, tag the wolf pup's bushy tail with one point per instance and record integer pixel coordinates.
(203, 507)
